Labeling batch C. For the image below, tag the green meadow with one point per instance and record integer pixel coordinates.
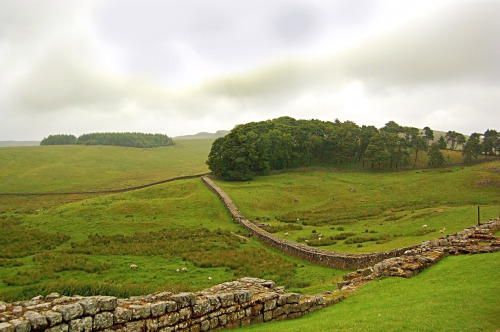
(369, 211)
(85, 243)
(458, 294)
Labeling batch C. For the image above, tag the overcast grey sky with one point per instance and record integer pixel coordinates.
(181, 67)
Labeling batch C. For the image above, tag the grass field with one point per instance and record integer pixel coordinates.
(78, 168)
(367, 212)
(459, 294)
(84, 244)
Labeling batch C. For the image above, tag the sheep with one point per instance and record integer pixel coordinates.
(133, 266)
(307, 241)
(424, 226)
(286, 234)
(209, 278)
(177, 270)
(184, 269)
(442, 230)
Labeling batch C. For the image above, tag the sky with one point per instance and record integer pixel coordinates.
(183, 67)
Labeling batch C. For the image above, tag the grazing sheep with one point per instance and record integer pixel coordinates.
(307, 241)
(209, 278)
(184, 269)
(133, 266)
(442, 230)
(424, 226)
(177, 270)
(286, 234)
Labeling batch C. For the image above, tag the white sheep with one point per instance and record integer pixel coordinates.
(286, 234)
(133, 266)
(209, 278)
(424, 226)
(184, 269)
(442, 230)
(177, 270)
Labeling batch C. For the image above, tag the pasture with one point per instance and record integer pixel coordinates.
(369, 212)
(85, 243)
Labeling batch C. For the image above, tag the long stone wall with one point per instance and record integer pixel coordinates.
(339, 260)
(228, 305)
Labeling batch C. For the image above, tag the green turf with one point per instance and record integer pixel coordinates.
(379, 211)
(460, 293)
(80, 168)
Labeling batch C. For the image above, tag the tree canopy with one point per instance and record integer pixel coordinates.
(138, 140)
(284, 143)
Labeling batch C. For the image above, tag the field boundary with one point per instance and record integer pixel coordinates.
(322, 257)
(107, 191)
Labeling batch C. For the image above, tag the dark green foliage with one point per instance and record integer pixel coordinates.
(281, 228)
(61, 139)
(472, 148)
(436, 157)
(137, 140)
(257, 148)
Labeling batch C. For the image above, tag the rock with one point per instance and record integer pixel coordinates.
(37, 321)
(122, 315)
(69, 311)
(21, 325)
(53, 317)
(7, 327)
(81, 325)
(52, 296)
(103, 320)
(90, 306)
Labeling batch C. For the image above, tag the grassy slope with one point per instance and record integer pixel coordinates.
(389, 207)
(160, 232)
(74, 168)
(459, 294)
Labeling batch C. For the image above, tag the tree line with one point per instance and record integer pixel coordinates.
(138, 140)
(284, 143)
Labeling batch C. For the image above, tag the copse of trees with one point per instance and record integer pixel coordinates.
(61, 139)
(138, 140)
(284, 143)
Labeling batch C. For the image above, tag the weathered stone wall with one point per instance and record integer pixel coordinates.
(232, 304)
(318, 256)
(473, 240)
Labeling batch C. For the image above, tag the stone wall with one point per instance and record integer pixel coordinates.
(339, 260)
(473, 240)
(228, 305)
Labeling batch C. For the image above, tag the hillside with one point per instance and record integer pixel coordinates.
(202, 135)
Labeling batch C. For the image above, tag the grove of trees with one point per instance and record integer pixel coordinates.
(283, 143)
(138, 140)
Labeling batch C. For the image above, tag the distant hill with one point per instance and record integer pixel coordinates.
(19, 143)
(219, 133)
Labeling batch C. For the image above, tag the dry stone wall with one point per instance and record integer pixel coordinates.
(473, 240)
(339, 260)
(228, 305)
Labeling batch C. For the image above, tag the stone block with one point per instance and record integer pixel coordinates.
(158, 309)
(7, 327)
(106, 303)
(226, 299)
(90, 306)
(37, 321)
(168, 319)
(268, 315)
(80, 325)
(269, 305)
(135, 326)
(121, 315)
(257, 319)
(293, 298)
(205, 325)
(201, 308)
(140, 311)
(58, 328)
(185, 313)
(103, 320)
(53, 317)
(69, 311)
(184, 299)
(21, 325)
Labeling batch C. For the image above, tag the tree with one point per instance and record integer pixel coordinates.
(490, 142)
(436, 158)
(418, 145)
(60, 139)
(461, 140)
(472, 148)
(442, 143)
(428, 134)
(451, 137)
